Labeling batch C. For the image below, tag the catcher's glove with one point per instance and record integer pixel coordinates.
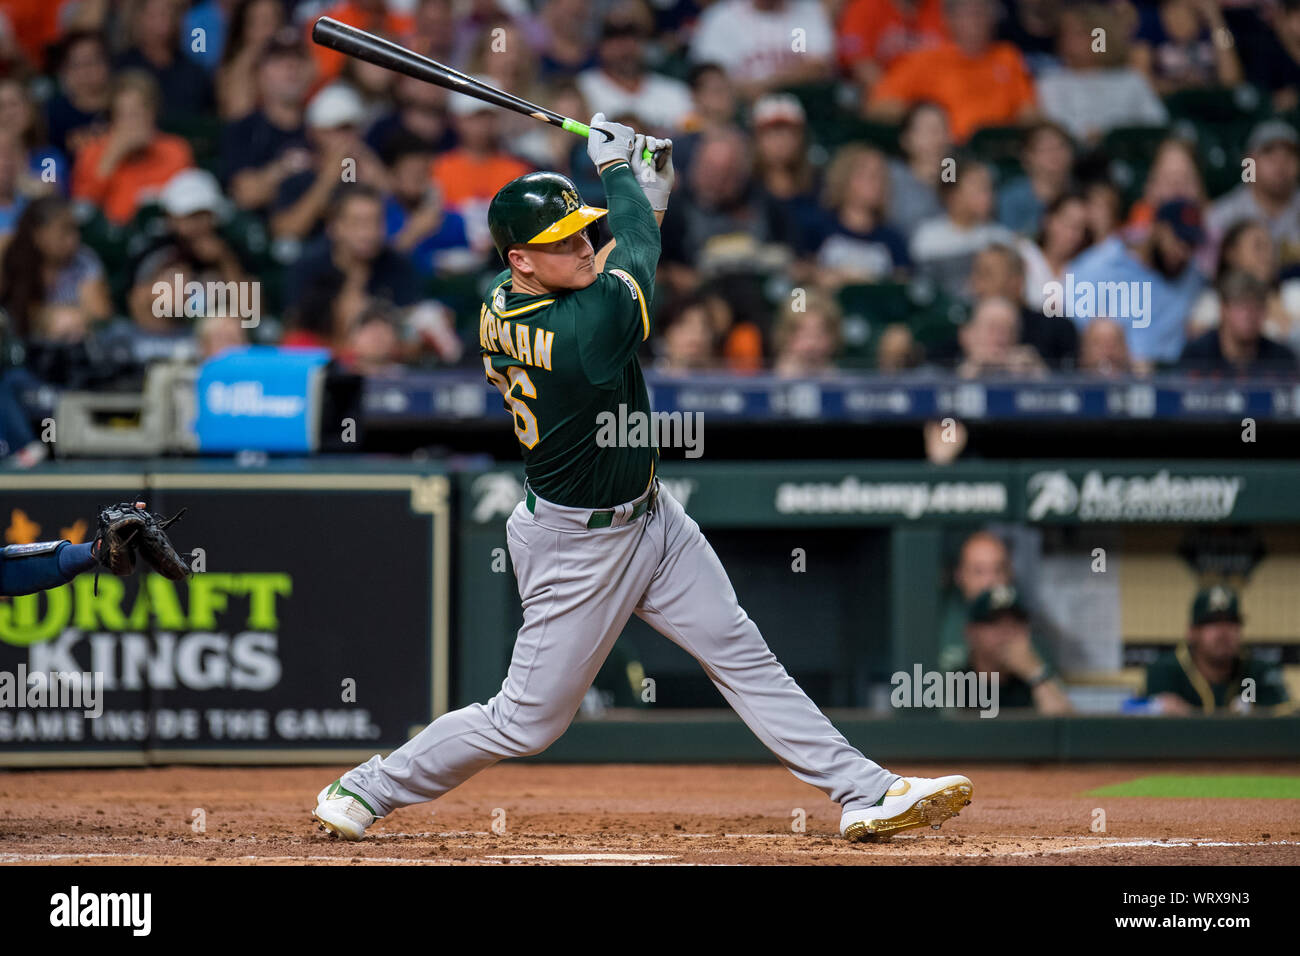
(126, 529)
(118, 526)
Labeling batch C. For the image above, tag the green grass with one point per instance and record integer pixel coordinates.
(1229, 787)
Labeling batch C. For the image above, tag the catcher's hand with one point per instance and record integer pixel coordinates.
(126, 529)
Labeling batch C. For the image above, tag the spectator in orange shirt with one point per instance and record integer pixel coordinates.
(875, 33)
(372, 15)
(122, 168)
(978, 81)
(470, 175)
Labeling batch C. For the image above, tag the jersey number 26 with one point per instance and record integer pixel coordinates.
(525, 420)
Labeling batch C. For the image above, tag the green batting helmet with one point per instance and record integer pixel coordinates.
(538, 207)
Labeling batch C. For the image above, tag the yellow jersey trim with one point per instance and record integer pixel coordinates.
(640, 297)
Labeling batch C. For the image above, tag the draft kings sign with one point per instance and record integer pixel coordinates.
(279, 643)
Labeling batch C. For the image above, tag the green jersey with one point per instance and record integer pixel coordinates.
(1176, 673)
(565, 361)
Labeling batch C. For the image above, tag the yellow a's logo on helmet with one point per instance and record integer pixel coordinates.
(571, 201)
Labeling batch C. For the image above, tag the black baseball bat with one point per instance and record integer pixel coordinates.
(351, 41)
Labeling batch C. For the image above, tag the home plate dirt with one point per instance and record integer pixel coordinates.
(633, 815)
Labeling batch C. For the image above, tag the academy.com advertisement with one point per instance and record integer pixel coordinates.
(292, 636)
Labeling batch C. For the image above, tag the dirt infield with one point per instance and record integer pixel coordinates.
(627, 814)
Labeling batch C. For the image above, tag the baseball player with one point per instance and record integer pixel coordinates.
(597, 538)
(124, 530)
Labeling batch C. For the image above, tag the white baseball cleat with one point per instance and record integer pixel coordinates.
(910, 802)
(343, 813)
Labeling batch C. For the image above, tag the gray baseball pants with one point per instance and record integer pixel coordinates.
(579, 586)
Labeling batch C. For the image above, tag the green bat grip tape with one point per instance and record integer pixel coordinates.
(583, 130)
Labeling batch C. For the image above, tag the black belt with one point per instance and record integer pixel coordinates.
(603, 519)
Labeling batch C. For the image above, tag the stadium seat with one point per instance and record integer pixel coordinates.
(203, 133)
(868, 309)
(1239, 104)
(882, 136)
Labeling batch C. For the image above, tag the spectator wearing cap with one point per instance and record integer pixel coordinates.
(254, 26)
(194, 208)
(1159, 278)
(874, 33)
(417, 222)
(620, 83)
(470, 175)
(1174, 174)
(121, 168)
(751, 40)
(1209, 672)
(333, 120)
(1095, 91)
(78, 110)
(977, 80)
(1048, 159)
(1238, 348)
(266, 147)
(347, 271)
(784, 171)
(1272, 196)
(51, 285)
(998, 641)
(925, 143)
(983, 562)
(944, 248)
(186, 89)
(859, 246)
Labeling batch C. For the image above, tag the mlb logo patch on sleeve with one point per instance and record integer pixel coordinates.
(627, 281)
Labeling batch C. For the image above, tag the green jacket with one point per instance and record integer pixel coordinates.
(1175, 673)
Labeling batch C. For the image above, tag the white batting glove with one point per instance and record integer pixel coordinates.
(657, 176)
(608, 142)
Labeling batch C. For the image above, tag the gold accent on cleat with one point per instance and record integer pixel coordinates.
(932, 810)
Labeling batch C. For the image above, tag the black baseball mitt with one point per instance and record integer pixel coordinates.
(119, 526)
(126, 530)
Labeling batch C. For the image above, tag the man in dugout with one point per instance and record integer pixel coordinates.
(1208, 673)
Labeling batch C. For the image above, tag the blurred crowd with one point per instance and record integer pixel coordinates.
(908, 186)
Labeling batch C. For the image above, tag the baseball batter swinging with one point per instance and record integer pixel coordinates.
(597, 538)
